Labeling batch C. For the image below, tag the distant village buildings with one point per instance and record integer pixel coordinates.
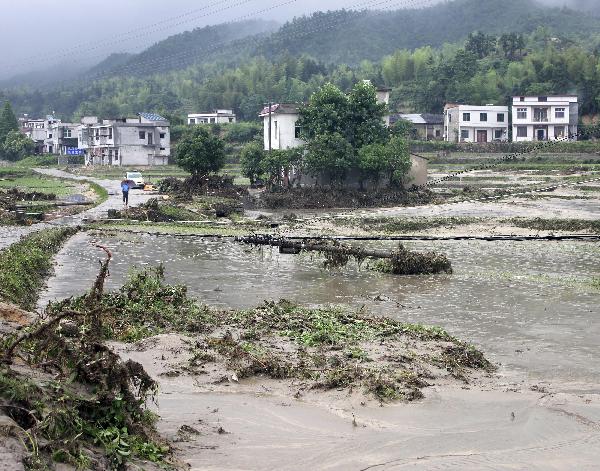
(141, 141)
(216, 117)
(481, 124)
(543, 118)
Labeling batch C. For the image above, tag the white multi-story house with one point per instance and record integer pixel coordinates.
(216, 117)
(141, 141)
(471, 123)
(282, 118)
(37, 130)
(543, 118)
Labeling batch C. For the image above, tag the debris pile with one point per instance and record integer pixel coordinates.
(315, 198)
(397, 262)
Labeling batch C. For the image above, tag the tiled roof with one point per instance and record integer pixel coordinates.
(283, 108)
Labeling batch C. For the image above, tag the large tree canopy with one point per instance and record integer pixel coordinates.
(200, 152)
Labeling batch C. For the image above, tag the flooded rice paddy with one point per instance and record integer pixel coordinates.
(531, 306)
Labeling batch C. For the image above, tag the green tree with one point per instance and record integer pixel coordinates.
(17, 146)
(372, 162)
(200, 152)
(326, 114)
(251, 161)
(330, 155)
(365, 116)
(8, 122)
(397, 160)
(278, 165)
(480, 44)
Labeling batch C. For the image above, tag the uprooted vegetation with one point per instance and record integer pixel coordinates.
(25, 264)
(394, 225)
(319, 348)
(13, 202)
(71, 398)
(396, 262)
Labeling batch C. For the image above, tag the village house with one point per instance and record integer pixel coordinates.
(216, 117)
(427, 126)
(141, 141)
(37, 130)
(61, 137)
(543, 118)
(470, 123)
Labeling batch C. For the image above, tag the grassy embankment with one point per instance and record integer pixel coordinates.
(25, 265)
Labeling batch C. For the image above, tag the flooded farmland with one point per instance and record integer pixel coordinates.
(532, 306)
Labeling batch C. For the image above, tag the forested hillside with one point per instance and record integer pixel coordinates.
(424, 55)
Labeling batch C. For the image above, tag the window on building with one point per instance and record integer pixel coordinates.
(543, 98)
(142, 134)
(500, 117)
(150, 139)
(522, 98)
(162, 135)
(521, 113)
(116, 154)
(50, 136)
(498, 133)
(466, 116)
(560, 112)
(438, 133)
(522, 131)
(212, 120)
(231, 120)
(482, 117)
(275, 128)
(449, 118)
(162, 148)
(297, 132)
(192, 120)
(559, 132)
(110, 135)
(464, 134)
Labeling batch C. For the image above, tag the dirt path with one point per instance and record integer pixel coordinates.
(11, 234)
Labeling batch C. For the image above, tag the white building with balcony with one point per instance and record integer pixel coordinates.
(216, 117)
(545, 118)
(471, 123)
(141, 141)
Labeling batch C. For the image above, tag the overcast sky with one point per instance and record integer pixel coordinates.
(36, 34)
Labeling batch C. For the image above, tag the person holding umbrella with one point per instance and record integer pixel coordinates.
(125, 185)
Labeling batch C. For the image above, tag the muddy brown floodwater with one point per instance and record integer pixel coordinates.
(531, 306)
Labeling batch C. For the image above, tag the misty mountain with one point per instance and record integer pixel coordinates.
(348, 37)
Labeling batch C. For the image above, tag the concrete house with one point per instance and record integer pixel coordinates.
(428, 127)
(60, 137)
(544, 118)
(141, 141)
(36, 130)
(470, 123)
(216, 117)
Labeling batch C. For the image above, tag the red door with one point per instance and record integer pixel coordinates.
(482, 136)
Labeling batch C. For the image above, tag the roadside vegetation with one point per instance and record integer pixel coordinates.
(25, 265)
(567, 225)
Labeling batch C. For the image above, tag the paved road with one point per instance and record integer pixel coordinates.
(11, 234)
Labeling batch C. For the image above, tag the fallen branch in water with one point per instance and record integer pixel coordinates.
(398, 262)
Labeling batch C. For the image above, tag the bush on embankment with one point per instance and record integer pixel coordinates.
(25, 264)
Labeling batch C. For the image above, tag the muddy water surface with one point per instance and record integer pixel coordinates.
(530, 305)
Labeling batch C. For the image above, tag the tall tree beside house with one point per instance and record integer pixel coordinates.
(365, 116)
(390, 160)
(330, 155)
(200, 152)
(326, 113)
(8, 122)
